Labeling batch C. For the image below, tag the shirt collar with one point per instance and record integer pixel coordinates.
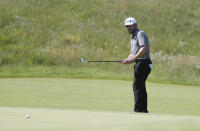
(135, 34)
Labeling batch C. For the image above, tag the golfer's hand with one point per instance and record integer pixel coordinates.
(125, 61)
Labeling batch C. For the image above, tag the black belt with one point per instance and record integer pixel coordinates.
(144, 59)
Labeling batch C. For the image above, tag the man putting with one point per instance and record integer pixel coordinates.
(140, 54)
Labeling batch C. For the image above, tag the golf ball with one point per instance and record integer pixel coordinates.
(28, 116)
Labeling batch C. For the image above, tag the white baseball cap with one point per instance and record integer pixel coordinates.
(130, 21)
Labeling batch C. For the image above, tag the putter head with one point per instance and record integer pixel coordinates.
(82, 60)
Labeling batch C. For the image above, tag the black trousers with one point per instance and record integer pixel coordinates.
(141, 72)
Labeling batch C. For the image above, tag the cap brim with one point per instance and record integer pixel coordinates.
(129, 24)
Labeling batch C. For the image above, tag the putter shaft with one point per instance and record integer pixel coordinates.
(103, 61)
(85, 61)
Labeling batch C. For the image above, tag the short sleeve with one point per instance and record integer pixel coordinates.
(142, 39)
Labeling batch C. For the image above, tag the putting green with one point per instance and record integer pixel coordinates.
(13, 119)
(88, 105)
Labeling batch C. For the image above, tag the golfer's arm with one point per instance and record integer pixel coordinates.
(140, 53)
(129, 57)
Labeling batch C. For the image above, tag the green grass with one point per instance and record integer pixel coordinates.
(96, 95)
(57, 33)
(53, 119)
(82, 104)
(124, 72)
(63, 72)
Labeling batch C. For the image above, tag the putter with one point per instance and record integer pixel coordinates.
(85, 61)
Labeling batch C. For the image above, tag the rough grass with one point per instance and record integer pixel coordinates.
(54, 33)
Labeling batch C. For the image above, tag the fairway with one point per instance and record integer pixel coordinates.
(82, 104)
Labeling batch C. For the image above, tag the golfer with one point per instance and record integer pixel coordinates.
(140, 54)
